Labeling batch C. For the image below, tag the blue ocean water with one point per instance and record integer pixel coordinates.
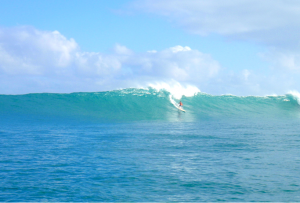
(134, 145)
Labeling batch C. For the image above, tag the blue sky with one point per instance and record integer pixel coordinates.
(242, 47)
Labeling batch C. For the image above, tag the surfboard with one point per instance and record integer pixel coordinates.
(180, 108)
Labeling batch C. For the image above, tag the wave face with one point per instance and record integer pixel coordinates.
(145, 104)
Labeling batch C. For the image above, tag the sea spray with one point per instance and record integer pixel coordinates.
(176, 89)
(173, 101)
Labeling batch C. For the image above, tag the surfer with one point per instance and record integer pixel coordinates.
(180, 104)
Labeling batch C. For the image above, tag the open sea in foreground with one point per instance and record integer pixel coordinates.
(133, 145)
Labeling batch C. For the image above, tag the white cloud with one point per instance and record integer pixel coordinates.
(274, 24)
(25, 50)
(179, 63)
(269, 22)
(122, 50)
(43, 61)
(180, 48)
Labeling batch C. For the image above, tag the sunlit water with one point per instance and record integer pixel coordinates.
(151, 161)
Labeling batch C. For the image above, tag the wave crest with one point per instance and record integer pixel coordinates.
(295, 95)
(176, 89)
(157, 103)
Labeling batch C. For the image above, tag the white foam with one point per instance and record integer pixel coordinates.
(176, 89)
(296, 95)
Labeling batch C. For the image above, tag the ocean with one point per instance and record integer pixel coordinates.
(134, 145)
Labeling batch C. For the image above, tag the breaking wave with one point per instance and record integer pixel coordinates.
(147, 104)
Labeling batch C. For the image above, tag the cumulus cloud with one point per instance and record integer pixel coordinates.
(32, 60)
(179, 63)
(272, 24)
(25, 50)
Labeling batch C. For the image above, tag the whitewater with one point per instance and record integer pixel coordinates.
(134, 145)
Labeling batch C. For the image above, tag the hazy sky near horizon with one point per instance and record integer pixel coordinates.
(241, 47)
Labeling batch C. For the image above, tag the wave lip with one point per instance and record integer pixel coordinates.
(295, 95)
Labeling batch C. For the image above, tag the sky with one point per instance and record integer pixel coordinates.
(239, 47)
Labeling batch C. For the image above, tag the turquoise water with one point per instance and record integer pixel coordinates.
(134, 145)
